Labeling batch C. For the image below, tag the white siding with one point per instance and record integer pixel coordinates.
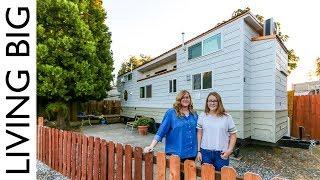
(281, 79)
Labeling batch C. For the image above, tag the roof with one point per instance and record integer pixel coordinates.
(219, 25)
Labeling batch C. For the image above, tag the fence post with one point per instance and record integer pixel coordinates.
(228, 173)
(103, 159)
(119, 166)
(161, 166)
(128, 162)
(96, 158)
(148, 164)
(251, 176)
(40, 121)
(138, 163)
(190, 172)
(90, 158)
(111, 161)
(174, 167)
(207, 172)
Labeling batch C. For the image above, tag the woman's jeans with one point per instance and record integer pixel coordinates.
(214, 157)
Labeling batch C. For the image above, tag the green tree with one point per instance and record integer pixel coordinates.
(133, 62)
(74, 60)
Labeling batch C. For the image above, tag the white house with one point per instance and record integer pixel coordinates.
(240, 60)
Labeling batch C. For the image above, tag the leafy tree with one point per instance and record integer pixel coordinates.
(133, 62)
(74, 60)
(292, 57)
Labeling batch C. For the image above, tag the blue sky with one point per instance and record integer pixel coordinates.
(152, 27)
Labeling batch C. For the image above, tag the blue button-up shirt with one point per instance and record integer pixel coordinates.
(180, 133)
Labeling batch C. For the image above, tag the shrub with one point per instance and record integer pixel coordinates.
(143, 121)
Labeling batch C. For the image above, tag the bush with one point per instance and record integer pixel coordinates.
(143, 121)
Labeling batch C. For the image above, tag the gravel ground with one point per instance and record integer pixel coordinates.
(289, 163)
(44, 172)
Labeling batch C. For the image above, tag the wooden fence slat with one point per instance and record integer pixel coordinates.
(38, 142)
(128, 162)
(251, 176)
(79, 156)
(96, 158)
(65, 142)
(60, 151)
(103, 159)
(207, 171)
(190, 172)
(53, 148)
(174, 167)
(44, 140)
(73, 155)
(84, 157)
(315, 116)
(138, 163)
(119, 165)
(228, 173)
(90, 157)
(110, 160)
(41, 144)
(50, 147)
(161, 166)
(148, 164)
(68, 153)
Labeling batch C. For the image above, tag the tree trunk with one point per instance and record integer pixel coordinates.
(61, 121)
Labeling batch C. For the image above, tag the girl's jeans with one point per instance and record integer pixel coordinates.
(214, 157)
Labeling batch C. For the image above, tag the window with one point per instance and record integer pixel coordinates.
(212, 44)
(195, 50)
(129, 77)
(142, 92)
(196, 81)
(173, 85)
(125, 95)
(207, 80)
(175, 67)
(149, 91)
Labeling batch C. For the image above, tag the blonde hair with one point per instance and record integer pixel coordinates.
(220, 110)
(177, 104)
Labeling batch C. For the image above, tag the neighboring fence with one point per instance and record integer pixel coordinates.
(306, 113)
(80, 157)
(106, 107)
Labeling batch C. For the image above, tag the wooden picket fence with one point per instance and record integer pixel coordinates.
(306, 113)
(78, 156)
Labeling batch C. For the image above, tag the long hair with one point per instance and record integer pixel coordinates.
(220, 110)
(177, 104)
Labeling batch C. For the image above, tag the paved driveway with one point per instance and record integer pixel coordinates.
(118, 134)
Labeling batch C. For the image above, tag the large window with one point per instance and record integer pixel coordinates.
(207, 80)
(196, 81)
(195, 50)
(142, 92)
(173, 85)
(212, 44)
(149, 91)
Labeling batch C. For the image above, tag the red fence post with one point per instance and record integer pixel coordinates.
(119, 166)
(128, 162)
(84, 157)
(207, 172)
(103, 159)
(110, 160)
(96, 159)
(161, 166)
(148, 164)
(138, 163)
(174, 167)
(190, 170)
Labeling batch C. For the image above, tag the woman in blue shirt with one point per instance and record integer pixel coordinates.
(179, 127)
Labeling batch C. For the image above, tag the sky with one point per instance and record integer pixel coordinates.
(152, 27)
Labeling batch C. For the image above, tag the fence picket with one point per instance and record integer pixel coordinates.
(61, 151)
(174, 167)
(103, 159)
(119, 165)
(207, 172)
(148, 166)
(251, 176)
(228, 173)
(90, 157)
(79, 156)
(110, 160)
(73, 155)
(68, 153)
(137, 163)
(96, 158)
(161, 166)
(84, 157)
(189, 170)
(128, 162)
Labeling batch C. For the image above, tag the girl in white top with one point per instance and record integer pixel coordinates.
(216, 133)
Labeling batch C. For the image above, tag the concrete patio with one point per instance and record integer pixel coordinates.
(118, 134)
